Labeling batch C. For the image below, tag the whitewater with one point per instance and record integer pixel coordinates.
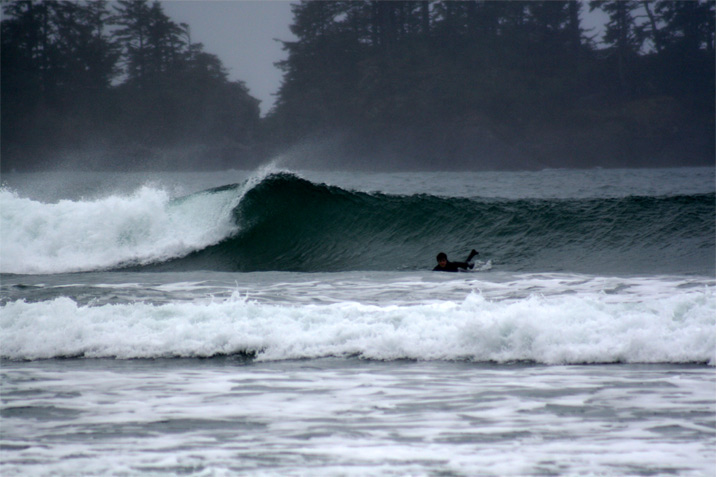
(287, 322)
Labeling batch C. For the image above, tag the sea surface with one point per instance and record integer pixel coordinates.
(287, 322)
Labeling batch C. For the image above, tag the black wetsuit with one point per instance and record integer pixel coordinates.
(456, 266)
(453, 267)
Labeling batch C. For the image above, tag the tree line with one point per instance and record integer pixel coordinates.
(391, 84)
(119, 82)
(501, 84)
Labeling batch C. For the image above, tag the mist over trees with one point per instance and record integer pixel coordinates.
(367, 84)
(121, 84)
(487, 84)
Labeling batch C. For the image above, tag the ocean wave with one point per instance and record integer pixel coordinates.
(279, 221)
(144, 227)
(563, 329)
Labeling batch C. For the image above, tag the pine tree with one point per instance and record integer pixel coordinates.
(623, 36)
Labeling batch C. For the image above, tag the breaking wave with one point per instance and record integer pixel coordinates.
(279, 221)
(561, 329)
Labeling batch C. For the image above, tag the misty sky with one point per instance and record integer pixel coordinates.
(241, 33)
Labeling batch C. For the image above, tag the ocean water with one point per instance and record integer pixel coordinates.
(287, 322)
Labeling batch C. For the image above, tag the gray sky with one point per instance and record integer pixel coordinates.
(241, 33)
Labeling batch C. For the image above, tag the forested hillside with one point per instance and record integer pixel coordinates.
(490, 84)
(367, 84)
(116, 85)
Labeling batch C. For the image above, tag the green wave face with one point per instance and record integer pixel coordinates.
(288, 223)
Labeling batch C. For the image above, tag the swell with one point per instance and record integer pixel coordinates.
(279, 221)
(288, 223)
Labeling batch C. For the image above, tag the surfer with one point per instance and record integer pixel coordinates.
(445, 266)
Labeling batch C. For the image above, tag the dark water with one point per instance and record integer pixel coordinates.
(291, 224)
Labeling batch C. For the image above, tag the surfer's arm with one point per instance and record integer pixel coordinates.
(466, 264)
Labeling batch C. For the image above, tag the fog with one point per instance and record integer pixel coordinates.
(245, 35)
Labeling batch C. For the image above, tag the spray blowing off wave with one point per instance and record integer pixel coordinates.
(278, 221)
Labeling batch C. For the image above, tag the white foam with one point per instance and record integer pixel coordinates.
(145, 226)
(355, 418)
(586, 328)
(142, 227)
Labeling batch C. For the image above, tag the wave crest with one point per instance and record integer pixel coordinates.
(279, 221)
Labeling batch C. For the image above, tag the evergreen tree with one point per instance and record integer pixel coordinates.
(688, 46)
(57, 67)
(476, 78)
(623, 36)
(689, 25)
(60, 66)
